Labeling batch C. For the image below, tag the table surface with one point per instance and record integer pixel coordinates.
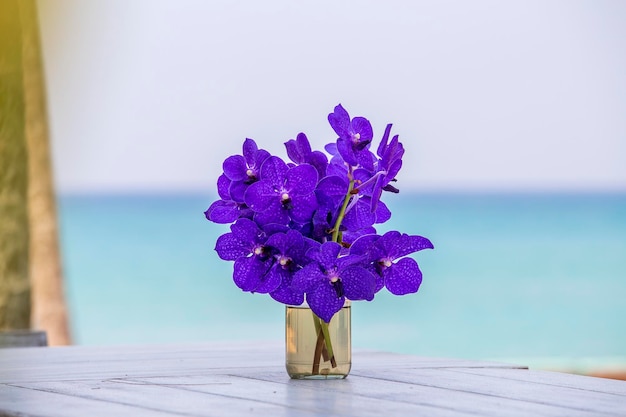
(230, 379)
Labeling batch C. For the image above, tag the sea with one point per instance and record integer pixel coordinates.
(533, 278)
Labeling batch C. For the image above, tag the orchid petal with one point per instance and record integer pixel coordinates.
(350, 236)
(259, 157)
(222, 212)
(391, 244)
(404, 277)
(382, 213)
(362, 245)
(331, 148)
(237, 191)
(333, 186)
(304, 147)
(344, 146)
(417, 243)
(394, 169)
(363, 127)
(358, 283)
(278, 241)
(274, 170)
(292, 151)
(382, 147)
(246, 230)
(235, 168)
(377, 191)
(340, 121)
(301, 179)
(223, 184)
(260, 196)
(324, 301)
(327, 256)
(248, 272)
(284, 294)
(308, 278)
(359, 216)
(250, 149)
(270, 281)
(275, 213)
(230, 248)
(303, 207)
(337, 167)
(319, 161)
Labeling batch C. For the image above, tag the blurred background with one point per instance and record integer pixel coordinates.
(511, 114)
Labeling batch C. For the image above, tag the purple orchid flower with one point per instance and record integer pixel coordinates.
(388, 166)
(355, 136)
(226, 210)
(245, 245)
(373, 184)
(239, 172)
(306, 229)
(401, 277)
(288, 250)
(299, 151)
(283, 193)
(244, 170)
(360, 216)
(332, 190)
(328, 279)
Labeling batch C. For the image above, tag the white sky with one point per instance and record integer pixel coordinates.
(486, 95)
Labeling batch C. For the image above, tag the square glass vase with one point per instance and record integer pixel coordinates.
(315, 349)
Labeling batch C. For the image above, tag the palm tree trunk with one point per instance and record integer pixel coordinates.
(49, 310)
(14, 280)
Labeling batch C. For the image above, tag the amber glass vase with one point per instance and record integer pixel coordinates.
(315, 349)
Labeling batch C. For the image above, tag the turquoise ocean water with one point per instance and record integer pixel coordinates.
(511, 276)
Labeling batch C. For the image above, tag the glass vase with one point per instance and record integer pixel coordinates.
(315, 349)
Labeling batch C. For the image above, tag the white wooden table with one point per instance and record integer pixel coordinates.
(249, 379)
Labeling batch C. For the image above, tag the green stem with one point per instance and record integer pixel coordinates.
(317, 355)
(329, 345)
(323, 346)
(342, 212)
(320, 325)
(318, 331)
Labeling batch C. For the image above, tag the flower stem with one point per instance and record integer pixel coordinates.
(323, 345)
(318, 331)
(329, 345)
(342, 212)
(317, 356)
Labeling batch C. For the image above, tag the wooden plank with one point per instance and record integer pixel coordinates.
(587, 383)
(572, 399)
(331, 397)
(15, 401)
(259, 391)
(258, 351)
(72, 363)
(233, 355)
(147, 398)
(77, 362)
(424, 397)
(232, 395)
(249, 378)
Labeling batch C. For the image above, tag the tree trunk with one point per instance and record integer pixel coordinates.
(49, 310)
(14, 280)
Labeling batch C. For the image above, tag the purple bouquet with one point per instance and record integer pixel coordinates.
(305, 229)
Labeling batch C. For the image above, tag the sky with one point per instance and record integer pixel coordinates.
(152, 95)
